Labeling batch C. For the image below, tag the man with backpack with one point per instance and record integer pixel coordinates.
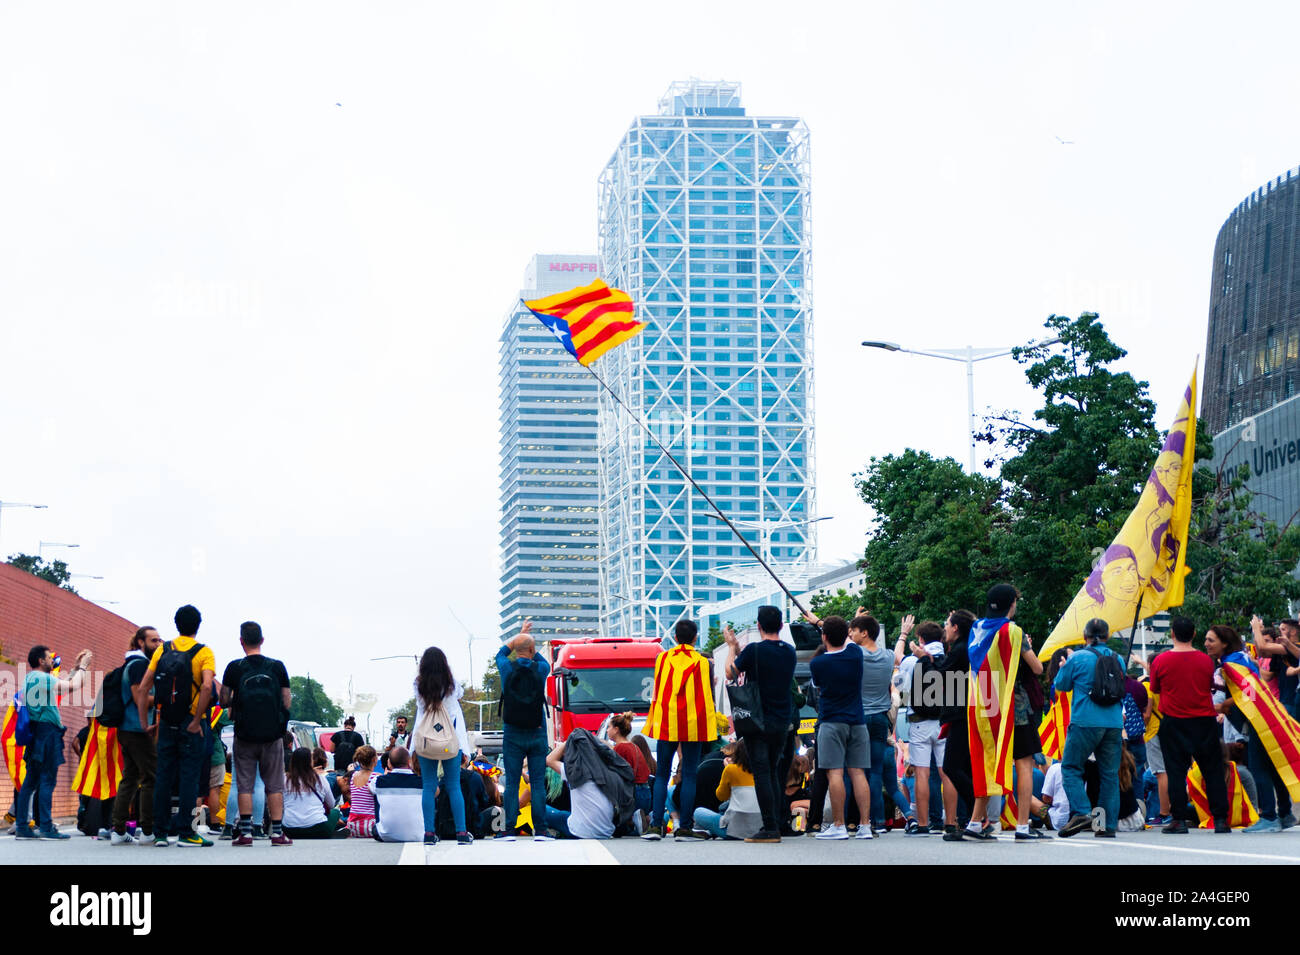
(523, 719)
(346, 742)
(258, 689)
(180, 674)
(1096, 675)
(121, 709)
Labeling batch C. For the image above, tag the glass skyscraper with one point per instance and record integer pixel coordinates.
(549, 533)
(704, 220)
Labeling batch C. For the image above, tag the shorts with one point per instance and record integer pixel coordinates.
(843, 746)
(217, 775)
(1025, 741)
(1155, 756)
(923, 739)
(361, 827)
(259, 759)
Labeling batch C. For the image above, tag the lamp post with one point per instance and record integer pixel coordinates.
(765, 528)
(968, 356)
(4, 504)
(41, 545)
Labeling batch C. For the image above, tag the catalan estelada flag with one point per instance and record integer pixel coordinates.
(1279, 733)
(13, 752)
(681, 709)
(1056, 721)
(100, 769)
(994, 647)
(1240, 812)
(588, 321)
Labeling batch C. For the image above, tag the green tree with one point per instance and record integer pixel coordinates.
(407, 709)
(55, 572)
(312, 704)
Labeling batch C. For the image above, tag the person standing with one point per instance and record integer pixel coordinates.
(183, 670)
(842, 739)
(346, 742)
(438, 741)
(769, 663)
(44, 754)
(139, 753)
(523, 719)
(257, 687)
(1096, 721)
(681, 715)
(1184, 678)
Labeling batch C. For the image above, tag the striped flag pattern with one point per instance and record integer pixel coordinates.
(994, 647)
(681, 708)
(1056, 721)
(100, 769)
(589, 320)
(13, 752)
(1240, 812)
(1278, 731)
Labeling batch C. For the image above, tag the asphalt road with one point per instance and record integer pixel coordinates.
(1145, 848)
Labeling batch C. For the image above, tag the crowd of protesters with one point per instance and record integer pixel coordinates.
(896, 746)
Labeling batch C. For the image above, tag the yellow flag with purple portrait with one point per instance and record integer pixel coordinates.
(1146, 562)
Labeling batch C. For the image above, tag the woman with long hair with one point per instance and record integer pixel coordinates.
(640, 743)
(620, 732)
(437, 699)
(742, 817)
(309, 811)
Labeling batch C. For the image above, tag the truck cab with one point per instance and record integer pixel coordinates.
(593, 677)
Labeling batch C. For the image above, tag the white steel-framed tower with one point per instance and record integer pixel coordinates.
(705, 221)
(549, 532)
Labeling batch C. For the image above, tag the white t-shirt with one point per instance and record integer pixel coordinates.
(593, 814)
(304, 810)
(1054, 789)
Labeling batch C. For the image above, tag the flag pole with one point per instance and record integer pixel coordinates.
(1133, 632)
(717, 510)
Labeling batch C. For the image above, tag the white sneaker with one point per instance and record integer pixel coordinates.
(832, 832)
(125, 839)
(864, 832)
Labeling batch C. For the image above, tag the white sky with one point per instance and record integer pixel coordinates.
(248, 338)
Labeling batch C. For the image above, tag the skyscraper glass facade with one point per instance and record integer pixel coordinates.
(549, 532)
(704, 220)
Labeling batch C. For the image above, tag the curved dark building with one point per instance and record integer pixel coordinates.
(1252, 354)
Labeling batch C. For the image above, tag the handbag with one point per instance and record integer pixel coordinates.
(746, 705)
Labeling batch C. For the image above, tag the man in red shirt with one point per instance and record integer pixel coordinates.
(1184, 678)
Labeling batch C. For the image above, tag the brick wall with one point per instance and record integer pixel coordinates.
(34, 611)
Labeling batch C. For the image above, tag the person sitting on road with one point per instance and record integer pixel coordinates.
(361, 812)
(600, 788)
(399, 794)
(309, 811)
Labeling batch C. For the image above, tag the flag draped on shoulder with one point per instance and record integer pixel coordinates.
(1275, 728)
(1240, 812)
(1145, 566)
(101, 766)
(994, 647)
(12, 751)
(681, 708)
(1055, 724)
(588, 321)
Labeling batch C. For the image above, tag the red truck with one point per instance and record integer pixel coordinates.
(594, 676)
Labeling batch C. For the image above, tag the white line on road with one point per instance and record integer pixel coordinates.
(522, 852)
(1118, 844)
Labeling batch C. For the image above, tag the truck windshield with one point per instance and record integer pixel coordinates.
(610, 691)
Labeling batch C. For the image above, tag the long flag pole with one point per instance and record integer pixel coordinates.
(686, 474)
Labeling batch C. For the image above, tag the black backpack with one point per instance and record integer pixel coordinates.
(522, 698)
(174, 684)
(112, 708)
(259, 710)
(1107, 679)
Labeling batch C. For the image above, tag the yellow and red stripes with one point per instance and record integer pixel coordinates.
(596, 317)
(681, 708)
(13, 753)
(990, 707)
(100, 769)
(1055, 724)
(1279, 733)
(1240, 812)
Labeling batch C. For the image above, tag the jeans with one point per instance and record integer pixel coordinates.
(1081, 741)
(765, 751)
(429, 799)
(689, 766)
(558, 820)
(882, 774)
(43, 756)
(710, 821)
(516, 745)
(1274, 800)
(259, 801)
(141, 765)
(1138, 750)
(643, 795)
(180, 759)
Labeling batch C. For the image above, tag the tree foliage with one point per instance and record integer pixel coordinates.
(56, 572)
(312, 704)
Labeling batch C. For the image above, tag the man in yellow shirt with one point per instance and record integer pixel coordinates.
(180, 675)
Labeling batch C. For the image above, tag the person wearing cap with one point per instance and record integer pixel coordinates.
(1094, 729)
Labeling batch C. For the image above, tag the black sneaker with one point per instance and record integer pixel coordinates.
(259, 832)
(1104, 834)
(765, 835)
(653, 833)
(915, 830)
(1077, 823)
(1033, 835)
(228, 833)
(1221, 826)
(952, 834)
(987, 834)
(430, 838)
(1176, 827)
(464, 839)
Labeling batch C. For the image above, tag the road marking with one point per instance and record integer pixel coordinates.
(522, 852)
(1205, 852)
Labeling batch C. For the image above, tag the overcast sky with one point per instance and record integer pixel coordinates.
(256, 259)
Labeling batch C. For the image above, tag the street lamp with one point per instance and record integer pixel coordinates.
(41, 545)
(765, 528)
(968, 355)
(4, 504)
